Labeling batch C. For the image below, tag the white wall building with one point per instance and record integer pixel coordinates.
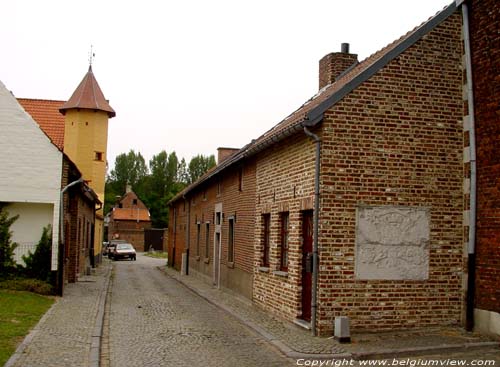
(30, 175)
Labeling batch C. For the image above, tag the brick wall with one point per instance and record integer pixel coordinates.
(176, 233)
(285, 183)
(396, 140)
(485, 40)
(130, 231)
(235, 191)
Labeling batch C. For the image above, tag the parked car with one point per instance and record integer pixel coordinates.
(124, 251)
(111, 247)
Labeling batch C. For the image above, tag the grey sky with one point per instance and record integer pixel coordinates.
(191, 76)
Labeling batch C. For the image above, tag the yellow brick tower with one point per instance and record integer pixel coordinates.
(86, 138)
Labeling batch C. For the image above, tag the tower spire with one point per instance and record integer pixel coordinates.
(91, 56)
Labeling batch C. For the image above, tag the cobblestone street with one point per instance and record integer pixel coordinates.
(155, 321)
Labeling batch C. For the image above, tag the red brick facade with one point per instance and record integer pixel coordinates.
(394, 140)
(234, 192)
(485, 40)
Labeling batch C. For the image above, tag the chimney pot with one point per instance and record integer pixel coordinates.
(344, 48)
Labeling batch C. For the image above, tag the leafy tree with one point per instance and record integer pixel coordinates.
(129, 169)
(198, 165)
(182, 173)
(166, 177)
(7, 247)
(38, 263)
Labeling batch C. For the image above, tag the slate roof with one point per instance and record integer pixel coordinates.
(311, 112)
(46, 114)
(131, 214)
(88, 95)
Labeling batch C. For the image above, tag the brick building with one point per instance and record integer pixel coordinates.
(77, 254)
(360, 202)
(128, 220)
(484, 18)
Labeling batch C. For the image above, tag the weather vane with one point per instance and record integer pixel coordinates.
(91, 55)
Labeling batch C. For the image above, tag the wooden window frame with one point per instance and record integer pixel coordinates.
(198, 239)
(266, 239)
(230, 239)
(207, 240)
(284, 240)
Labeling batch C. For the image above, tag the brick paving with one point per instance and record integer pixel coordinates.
(63, 337)
(151, 319)
(155, 321)
(298, 342)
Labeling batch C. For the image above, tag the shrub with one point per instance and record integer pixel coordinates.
(29, 285)
(38, 263)
(7, 247)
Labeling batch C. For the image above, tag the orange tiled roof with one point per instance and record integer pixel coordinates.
(130, 214)
(88, 95)
(46, 114)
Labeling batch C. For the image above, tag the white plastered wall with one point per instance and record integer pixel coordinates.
(30, 165)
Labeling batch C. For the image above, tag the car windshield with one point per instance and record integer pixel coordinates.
(124, 246)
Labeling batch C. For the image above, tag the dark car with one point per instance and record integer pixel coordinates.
(124, 251)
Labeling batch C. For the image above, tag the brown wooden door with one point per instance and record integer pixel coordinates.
(307, 252)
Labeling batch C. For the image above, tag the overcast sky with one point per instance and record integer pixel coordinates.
(191, 76)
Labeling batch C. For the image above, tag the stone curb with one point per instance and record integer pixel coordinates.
(27, 340)
(95, 346)
(290, 353)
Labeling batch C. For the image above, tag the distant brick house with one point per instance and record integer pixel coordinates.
(128, 220)
(383, 201)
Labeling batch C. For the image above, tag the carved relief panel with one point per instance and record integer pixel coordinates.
(392, 243)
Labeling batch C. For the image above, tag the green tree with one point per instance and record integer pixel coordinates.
(130, 168)
(198, 165)
(38, 263)
(7, 247)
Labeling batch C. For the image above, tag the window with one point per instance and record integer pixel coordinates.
(98, 156)
(207, 240)
(240, 179)
(134, 201)
(284, 241)
(198, 234)
(230, 241)
(266, 221)
(219, 187)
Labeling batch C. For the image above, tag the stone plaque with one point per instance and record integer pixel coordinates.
(392, 243)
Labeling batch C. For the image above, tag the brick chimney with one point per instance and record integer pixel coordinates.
(334, 64)
(224, 153)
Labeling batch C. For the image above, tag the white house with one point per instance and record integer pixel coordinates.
(30, 176)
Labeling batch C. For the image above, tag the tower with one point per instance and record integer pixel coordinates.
(86, 116)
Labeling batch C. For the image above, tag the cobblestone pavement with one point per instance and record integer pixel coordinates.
(300, 341)
(155, 321)
(63, 336)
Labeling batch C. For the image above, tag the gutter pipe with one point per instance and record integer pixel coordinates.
(471, 263)
(314, 303)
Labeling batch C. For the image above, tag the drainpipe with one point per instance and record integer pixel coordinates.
(314, 302)
(61, 235)
(471, 279)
